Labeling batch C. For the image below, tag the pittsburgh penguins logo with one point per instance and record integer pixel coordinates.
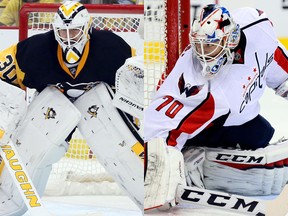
(93, 111)
(50, 113)
(18, 143)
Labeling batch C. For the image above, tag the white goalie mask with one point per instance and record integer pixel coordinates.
(71, 26)
(213, 35)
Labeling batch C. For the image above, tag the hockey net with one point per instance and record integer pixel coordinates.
(167, 24)
(79, 172)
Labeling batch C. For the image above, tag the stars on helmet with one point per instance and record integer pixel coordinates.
(219, 24)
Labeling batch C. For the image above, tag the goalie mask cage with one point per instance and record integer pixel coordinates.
(78, 172)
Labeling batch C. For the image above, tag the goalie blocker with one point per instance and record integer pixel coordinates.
(129, 86)
(166, 165)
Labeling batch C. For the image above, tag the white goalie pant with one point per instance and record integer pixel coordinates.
(40, 142)
(113, 140)
(245, 172)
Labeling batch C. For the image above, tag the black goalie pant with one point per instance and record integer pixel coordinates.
(252, 135)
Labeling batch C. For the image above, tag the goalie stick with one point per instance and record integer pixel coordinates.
(22, 180)
(232, 202)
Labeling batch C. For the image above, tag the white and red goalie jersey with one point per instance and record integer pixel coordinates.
(186, 103)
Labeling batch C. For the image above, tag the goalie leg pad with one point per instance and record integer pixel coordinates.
(113, 140)
(12, 108)
(40, 143)
(164, 172)
(259, 172)
(194, 158)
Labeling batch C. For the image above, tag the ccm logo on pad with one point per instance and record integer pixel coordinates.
(240, 158)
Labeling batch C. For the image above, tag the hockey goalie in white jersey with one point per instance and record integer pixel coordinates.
(76, 89)
(208, 108)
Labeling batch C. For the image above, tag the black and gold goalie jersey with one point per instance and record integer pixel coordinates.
(37, 62)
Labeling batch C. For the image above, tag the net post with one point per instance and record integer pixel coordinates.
(185, 24)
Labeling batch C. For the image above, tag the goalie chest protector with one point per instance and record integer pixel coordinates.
(37, 59)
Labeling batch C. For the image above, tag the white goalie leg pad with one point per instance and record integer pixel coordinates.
(237, 171)
(116, 144)
(129, 83)
(12, 108)
(40, 143)
(164, 172)
(259, 172)
(277, 158)
(194, 158)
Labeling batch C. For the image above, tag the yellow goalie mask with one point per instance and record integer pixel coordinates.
(71, 26)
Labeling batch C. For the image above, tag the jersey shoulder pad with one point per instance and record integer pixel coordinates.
(109, 39)
(247, 15)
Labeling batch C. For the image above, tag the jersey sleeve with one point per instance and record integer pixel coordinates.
(279, 72)
(277, 66)
(9, 71)
(244, 16)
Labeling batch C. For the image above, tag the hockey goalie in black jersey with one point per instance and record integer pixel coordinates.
(73, 69)
(89, 56)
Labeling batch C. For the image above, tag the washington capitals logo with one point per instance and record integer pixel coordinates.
(187, 88)
(50, 113)
(93, 111)
(260, 12)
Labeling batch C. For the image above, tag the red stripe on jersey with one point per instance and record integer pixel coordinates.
(281, 59)
(161, 80)
(194, 120)
(244, 166)
(277, 164)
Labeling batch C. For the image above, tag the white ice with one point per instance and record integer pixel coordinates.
(90, 206)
